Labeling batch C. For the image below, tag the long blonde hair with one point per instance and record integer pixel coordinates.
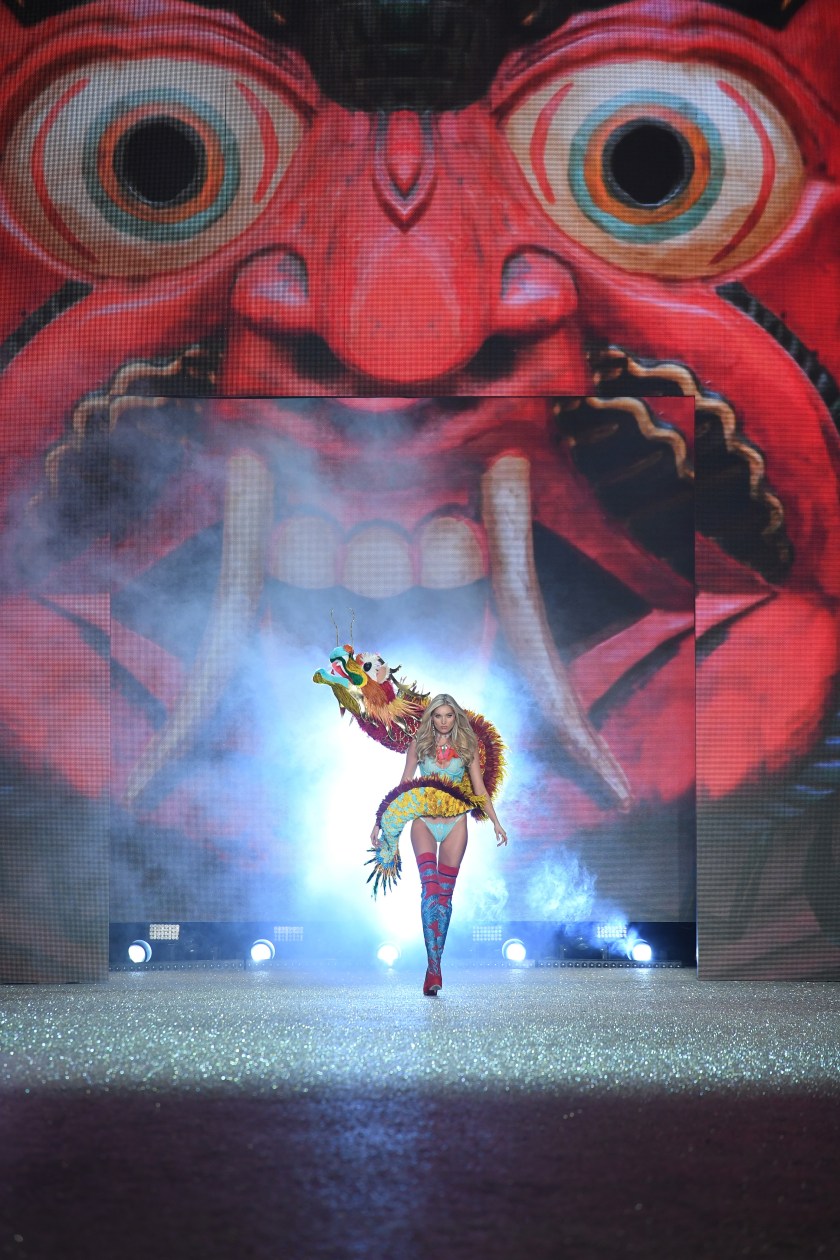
(462, 737)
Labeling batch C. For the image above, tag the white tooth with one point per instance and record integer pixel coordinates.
(302, 551)
(450, 554)
(248, 501)
(377, 562)
(506, 511)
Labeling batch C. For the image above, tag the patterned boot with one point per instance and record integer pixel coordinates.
(447, 876)
(430, 914)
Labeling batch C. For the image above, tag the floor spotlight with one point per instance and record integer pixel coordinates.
(388, 954)
(514, 950)
(262, 951)
(139, 952)
(641, 952)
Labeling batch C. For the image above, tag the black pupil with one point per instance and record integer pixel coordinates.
(647, 163)
(161, 161)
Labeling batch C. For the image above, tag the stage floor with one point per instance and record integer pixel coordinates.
(537, 1113)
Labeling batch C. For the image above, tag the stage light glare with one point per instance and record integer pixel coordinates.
(514, 950)
(641, 952)
(139, 952)
(262, 951)
(388, 953)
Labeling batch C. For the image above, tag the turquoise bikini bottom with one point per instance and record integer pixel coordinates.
(440, 830)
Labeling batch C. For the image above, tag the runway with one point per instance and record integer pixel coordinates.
(533, 1112)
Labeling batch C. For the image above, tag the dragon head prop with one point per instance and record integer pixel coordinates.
(386, 707)
(389, 709)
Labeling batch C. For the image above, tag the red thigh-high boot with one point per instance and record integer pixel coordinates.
(430, 913)
(447, 876)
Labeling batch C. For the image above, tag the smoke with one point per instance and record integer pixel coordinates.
(490, 899)
(562, 890)
(261, 801)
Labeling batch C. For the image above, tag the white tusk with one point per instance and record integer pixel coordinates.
(506, 511)
(247, 518)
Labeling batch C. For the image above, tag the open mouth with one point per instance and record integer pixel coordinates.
(640, 469)
(494, 529)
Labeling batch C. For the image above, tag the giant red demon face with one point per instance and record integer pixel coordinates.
(520, 245)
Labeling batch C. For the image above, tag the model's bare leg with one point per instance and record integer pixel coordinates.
(454, 847)
(422, 840)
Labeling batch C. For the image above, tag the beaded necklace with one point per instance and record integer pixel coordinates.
(445, 752)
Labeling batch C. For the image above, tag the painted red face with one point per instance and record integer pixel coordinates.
(474, 252)
(378, 262)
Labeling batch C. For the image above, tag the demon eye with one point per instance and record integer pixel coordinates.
(639, 181)
(145, 178)
(132, 168)
(672, 169)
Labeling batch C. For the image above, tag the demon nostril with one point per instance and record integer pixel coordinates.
(290, 282)
(516, 275)
(495, 359)
(313, 358)
(272, 291)
(534, 275)
(537, 291)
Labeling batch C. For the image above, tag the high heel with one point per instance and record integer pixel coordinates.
(433, 983)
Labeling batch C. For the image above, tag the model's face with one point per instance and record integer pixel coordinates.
(443, 719)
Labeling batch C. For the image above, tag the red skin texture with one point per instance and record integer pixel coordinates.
(405, 306)
(54, 692)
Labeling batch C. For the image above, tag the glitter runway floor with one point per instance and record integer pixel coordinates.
(535, 1113)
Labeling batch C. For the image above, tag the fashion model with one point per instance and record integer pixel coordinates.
(445, 745)
(461, 760)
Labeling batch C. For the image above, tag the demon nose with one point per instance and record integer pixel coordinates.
(407, 316)
(411, 318)
(413, 314)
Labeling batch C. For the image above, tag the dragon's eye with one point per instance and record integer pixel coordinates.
(673, 169)
(131, 168)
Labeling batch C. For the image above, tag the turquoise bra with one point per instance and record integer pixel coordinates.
(453, 769)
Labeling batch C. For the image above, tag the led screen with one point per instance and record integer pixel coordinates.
(464, 340)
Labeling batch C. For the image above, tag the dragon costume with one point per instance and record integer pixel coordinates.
(389, 709)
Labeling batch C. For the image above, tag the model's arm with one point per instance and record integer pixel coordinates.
(477, 780)
(409, 771)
